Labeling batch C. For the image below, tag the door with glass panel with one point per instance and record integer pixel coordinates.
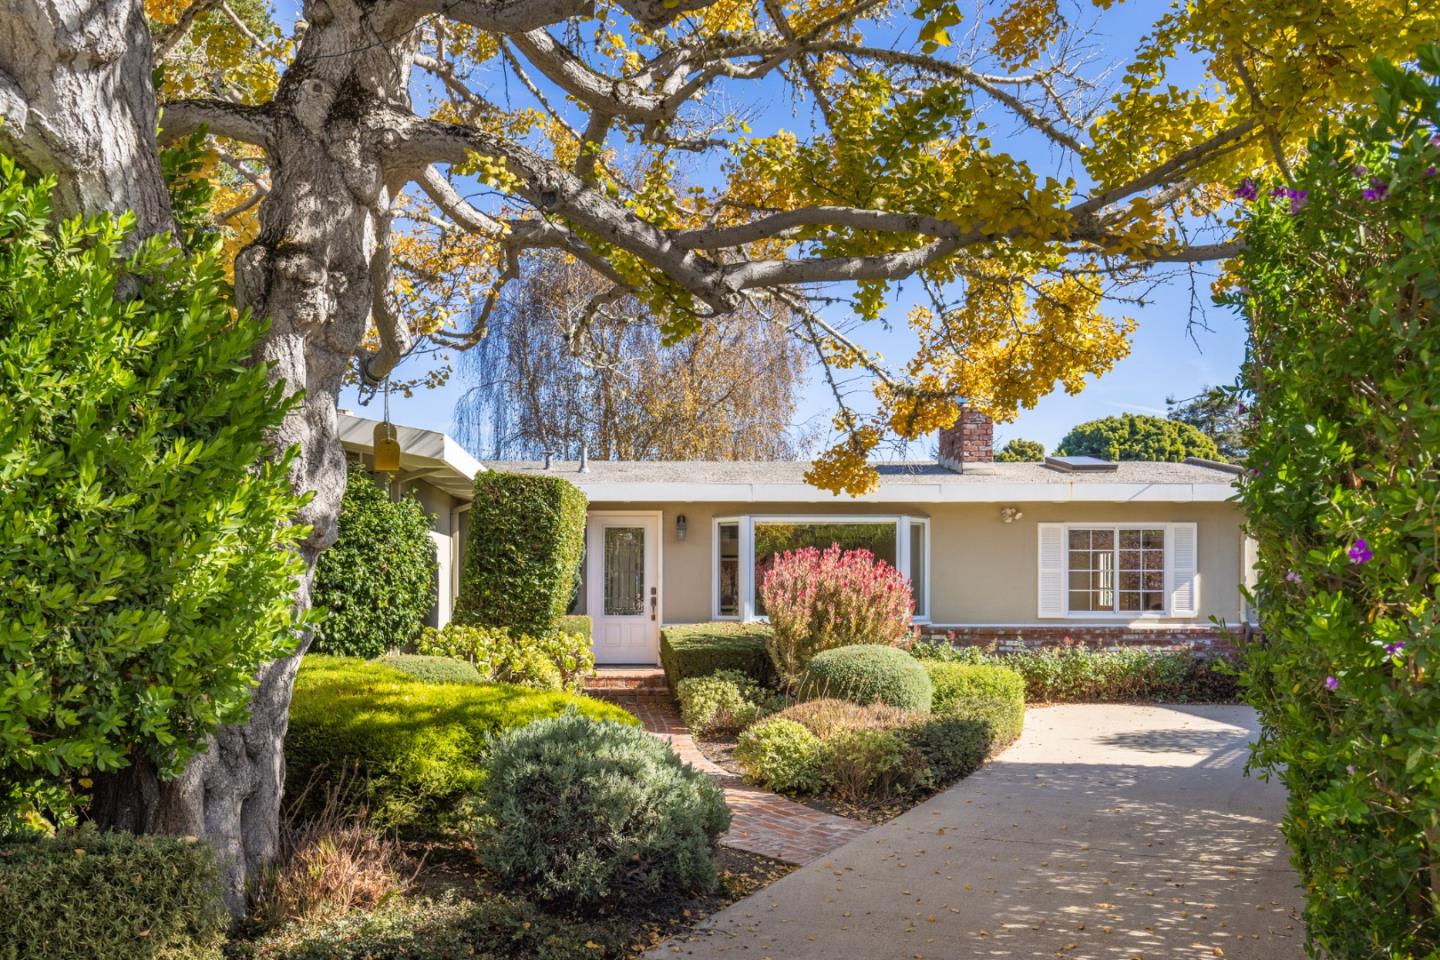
(623, 587)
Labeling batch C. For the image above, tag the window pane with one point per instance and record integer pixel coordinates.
(729, 570)
(624, 571)
(1102, 539)
(1079, 539)
(917, 568)
(772, 539)
(1129, 539)
(1154, 539)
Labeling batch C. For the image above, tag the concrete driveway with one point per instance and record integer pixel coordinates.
(1115, 832)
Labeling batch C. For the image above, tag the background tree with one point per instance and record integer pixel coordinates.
(377, 581)
(890, 172)
(1134, 436)
(1021, 451)
(544, 381)
(1219, 413)
(1341, 293)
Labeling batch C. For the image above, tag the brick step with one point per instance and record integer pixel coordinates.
(635, 682)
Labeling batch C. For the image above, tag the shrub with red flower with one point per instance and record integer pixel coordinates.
(821, 599)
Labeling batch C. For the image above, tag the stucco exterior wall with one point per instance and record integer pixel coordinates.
(983, 571)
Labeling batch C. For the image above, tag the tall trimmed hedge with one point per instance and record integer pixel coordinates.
(145, 569)
(1341, 279)
(526, 537)
(378, 580)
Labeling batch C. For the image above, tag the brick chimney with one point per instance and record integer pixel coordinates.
(971, 439)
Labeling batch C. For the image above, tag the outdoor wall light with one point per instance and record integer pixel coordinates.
(1010, 514)
(680, 527)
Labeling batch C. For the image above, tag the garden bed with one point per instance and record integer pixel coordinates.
(454, 909)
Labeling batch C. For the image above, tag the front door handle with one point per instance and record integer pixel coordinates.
(654, 602)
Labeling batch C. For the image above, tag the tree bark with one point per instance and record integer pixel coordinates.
(78, 103)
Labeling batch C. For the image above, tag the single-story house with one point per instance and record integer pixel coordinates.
(1114, 553)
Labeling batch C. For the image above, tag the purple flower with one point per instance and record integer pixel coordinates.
(1246, 190)
(1360, 552)
(1435, 140)
(1377, 189)
(1240, 407)
(1360, 170)
(1395, 648)
(1430, 172)
(1331, 683)
(1292, 577)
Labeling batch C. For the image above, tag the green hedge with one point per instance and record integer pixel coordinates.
(523, 554)
(700, 649)
(378, 580)
(87, 895)
(418, 746)
(1080, 674)
(867, 673)
(992, 695)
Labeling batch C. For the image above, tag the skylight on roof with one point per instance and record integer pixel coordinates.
(1081, 464)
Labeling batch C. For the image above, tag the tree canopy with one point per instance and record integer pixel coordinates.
(1021, 450)
(1134, 436)
(536, 116)
(1219, 413)
(727, 392)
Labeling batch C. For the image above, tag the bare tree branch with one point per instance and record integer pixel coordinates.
(252, 125)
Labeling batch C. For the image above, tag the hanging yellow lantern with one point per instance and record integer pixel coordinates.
(387, 448)
(387, 440)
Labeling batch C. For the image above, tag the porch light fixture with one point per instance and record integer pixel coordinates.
(680, 527)
(1010, 514)
(386, 448)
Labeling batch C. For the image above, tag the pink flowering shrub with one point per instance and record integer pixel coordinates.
(821, 599)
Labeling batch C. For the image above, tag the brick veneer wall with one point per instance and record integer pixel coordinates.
(971, 439)
(1200, 638)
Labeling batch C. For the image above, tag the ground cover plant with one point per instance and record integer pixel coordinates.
(415, 746)
(1339, 281)
(86, 894)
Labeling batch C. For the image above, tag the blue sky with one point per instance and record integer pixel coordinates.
(1171, 356)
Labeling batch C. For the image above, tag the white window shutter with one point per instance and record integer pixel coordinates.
(1051, 570)
(1183, 570)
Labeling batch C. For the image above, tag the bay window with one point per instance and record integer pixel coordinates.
(746, 548)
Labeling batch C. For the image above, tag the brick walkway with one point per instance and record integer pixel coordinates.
(761, 822)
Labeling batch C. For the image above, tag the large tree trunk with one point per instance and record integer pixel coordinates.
(78, 102)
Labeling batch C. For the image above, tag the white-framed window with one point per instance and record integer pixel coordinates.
(745, 547)
(1119, 570)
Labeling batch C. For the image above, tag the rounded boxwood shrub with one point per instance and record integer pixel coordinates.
(88, 895)
(990, 694)
(416, 747)
(782, 755)
(727, 701)
(867, 673)
(587, 814)
(378, 580)
(873, 766)
(953, 747)
(433, 669)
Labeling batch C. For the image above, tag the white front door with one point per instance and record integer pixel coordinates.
(623, 586)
